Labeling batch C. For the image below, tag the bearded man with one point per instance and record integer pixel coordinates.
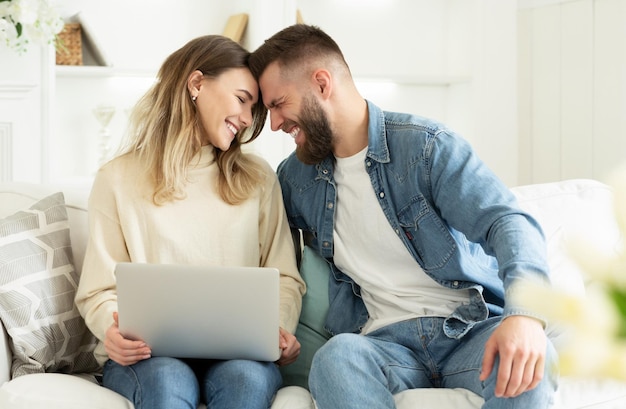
(426, 244)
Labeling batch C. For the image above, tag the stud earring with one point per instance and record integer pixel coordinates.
(194, 97)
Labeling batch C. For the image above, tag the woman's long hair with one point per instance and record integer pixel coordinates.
(164, 128)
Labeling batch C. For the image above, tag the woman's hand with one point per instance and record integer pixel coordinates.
(289, 348)
(121, 350)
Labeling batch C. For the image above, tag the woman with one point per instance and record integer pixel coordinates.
(182, 191)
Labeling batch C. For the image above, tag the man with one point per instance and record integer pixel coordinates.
(426, 243)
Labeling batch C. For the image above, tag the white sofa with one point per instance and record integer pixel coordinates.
(564, 209)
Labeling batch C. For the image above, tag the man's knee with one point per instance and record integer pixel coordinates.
(339, 353)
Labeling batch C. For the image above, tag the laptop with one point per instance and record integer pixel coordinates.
(199, 311)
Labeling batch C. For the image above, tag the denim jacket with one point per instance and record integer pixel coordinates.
(455, 217)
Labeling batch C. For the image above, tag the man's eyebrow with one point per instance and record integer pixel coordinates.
(275, 102)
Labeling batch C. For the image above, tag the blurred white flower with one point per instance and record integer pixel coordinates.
(593, 325)
(26, 22)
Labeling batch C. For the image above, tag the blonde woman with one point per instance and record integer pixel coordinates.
(182, 191)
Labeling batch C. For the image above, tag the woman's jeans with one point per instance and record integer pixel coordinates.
(356, 371)
(161, 382)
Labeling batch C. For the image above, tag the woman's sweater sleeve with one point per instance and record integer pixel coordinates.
(96, 297)
(277, 250)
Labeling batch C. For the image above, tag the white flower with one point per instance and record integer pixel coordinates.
(8, 32)
(595, 324)
(25, 22)
(24, 11)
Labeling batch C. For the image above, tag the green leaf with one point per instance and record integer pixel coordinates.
(618, 295)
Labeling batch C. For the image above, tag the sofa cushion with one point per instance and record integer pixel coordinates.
(37, 286)
(59, 391)
(310, 331)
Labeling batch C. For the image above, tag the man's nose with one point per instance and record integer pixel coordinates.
(276, 120)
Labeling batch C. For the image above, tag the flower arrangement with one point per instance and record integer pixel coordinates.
(25, 22)
(595, 324)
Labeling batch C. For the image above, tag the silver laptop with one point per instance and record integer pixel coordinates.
(200, 312)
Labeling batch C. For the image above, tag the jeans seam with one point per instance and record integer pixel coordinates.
(138, 390)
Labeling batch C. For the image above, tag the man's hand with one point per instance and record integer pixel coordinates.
(521, 344)
(121, 350)
(289, 348)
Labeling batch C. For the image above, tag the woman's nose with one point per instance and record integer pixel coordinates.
(246, 118)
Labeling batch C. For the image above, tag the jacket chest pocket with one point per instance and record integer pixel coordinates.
(427, 233)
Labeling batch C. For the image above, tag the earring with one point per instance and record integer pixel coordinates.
(194, 97)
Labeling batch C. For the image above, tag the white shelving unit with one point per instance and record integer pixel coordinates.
(67, 71)
(418, 80)
(75, 148)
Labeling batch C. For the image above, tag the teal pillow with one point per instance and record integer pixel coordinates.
(310, 332)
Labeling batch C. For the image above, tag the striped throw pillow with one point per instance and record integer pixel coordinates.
(37, 286)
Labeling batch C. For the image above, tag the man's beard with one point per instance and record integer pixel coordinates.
(318, 139)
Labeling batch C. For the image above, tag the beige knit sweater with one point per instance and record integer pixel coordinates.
(202, 229)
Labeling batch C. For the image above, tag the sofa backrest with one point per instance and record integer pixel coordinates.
(570, 212)
(576, 209)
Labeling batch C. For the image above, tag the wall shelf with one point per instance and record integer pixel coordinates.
(417, 80)
(73, 71)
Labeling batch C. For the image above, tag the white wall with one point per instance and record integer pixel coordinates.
(136, 42)
(572, 89)
(453, 60)
(537, 86)
(140, 34)
(420, 56)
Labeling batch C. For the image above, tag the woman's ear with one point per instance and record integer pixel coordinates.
(194, 82)
(322, 80)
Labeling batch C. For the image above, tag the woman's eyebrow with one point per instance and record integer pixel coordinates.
(245, 91)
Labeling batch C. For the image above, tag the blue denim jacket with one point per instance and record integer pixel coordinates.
(456, 218)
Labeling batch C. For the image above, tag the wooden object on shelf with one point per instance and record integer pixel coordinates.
(92, 48)
(235, 26)
(299, 19)
(70, 48)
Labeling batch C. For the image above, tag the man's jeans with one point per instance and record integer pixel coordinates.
(356, 371)
(161, 382)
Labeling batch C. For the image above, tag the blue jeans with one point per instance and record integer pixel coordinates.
(356, 371)
(161, 382)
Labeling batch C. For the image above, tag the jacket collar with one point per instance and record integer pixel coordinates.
(377, 135)
(377, 142)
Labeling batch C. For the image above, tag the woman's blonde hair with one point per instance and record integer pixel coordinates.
(164, 128)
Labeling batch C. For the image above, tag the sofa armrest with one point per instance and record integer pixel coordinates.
(6, 356)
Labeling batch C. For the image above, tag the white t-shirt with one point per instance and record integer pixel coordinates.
(393, 285)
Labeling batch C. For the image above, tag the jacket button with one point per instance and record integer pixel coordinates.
(455, 283)
(330, 205)
(381, 194)
(326, 244)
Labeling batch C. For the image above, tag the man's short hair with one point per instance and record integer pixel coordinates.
(293, 45)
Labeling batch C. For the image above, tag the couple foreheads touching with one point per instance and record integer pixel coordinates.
(425, 243)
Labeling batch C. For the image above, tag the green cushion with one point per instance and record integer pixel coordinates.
(310, 332)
